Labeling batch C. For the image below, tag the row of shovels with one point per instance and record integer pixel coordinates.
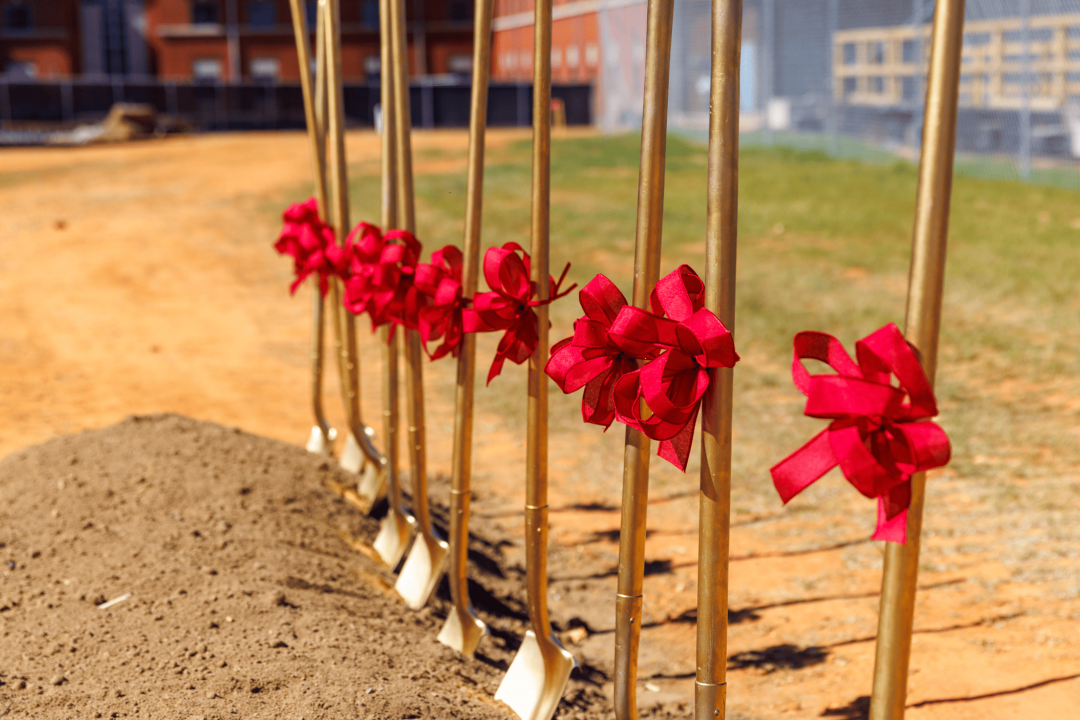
(538, 675)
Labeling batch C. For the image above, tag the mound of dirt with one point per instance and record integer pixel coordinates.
(237, 585)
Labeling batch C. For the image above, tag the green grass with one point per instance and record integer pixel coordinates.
(824, 244)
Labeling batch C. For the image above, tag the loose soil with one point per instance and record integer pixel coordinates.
(139, 279)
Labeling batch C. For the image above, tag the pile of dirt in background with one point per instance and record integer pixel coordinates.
(248, 597)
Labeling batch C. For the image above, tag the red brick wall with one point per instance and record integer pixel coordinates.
(575, 46)
(53, 44)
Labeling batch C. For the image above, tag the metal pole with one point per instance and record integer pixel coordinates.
(1025, 89)
(232, 39)
(635, 494)
(925, 288)
(832, 18)
(5, 103)
(767, 63)
(67, 101)
(172, 104)
(918, 12)
(714, 513)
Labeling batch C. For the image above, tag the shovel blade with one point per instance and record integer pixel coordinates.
(422, 570)
(371, 486)
(530, 689)
(321, 443)
(352, 457)
(462, 631)
(395, 532)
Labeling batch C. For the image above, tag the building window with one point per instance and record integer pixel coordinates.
(460, 11)
(572, 56)
(526, 61)
(372, 65)
(206, 69)
(849, 53)
(509, 60)
(369, 13)
(261, 14)
(17, 18)
(460, 64)
(21, 70)
(204, 12)
(265, 68)
(311, 9)
(592, 54)
(556, 58)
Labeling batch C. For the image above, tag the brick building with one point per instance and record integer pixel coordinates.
(575, 41)
(213, 39)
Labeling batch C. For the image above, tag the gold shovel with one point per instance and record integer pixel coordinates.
(925, 289)
(463, 629)
(427, 560)
(537, 677)
(395, 530)
(650, 215)
(714, 512)
(358, 444)
(322, 435)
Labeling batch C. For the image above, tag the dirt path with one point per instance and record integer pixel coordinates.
(140, 279)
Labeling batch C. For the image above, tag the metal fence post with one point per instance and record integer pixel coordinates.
(67, 101)
(5, 103)
(768, 17)
(832, 19)
(172, 103)
(1025, 90)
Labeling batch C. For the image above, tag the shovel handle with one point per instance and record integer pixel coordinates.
(650, 218)
(922, 325)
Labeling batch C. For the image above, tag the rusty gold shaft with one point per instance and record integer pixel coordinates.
(714, 514)
(338, 202)
(925, 289)
(536, 453)
(414, 354)
(650, 216)
(466, 366)
(303, 54)
(389, 220)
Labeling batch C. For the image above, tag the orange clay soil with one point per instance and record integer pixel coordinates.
(140, 279)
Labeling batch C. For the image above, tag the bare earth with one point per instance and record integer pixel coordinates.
(139, 279)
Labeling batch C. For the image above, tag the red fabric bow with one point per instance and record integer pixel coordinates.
(509, 305)
(383, 287)
(879, 434)
(310, 243)
(673, 384)
(596, 357)
(442, 316)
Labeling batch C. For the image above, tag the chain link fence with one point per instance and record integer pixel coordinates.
(848, 77)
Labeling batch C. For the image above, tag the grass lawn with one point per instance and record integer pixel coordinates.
(823, 244)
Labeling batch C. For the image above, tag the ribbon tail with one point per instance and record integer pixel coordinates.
(803, 467)
(894, 530)
(677, 450)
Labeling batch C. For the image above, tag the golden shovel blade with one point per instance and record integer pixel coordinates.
(423, 568)
(321, 443)
(395, 532)
(530, 687)
(462, 631)
(352, 457)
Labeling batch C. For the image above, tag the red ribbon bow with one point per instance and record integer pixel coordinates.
(673, 384)
(310, 243)
(879, 434)
(364, 245)
(596, 357)
(442, 316)
(509, 305)
(384, 287)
